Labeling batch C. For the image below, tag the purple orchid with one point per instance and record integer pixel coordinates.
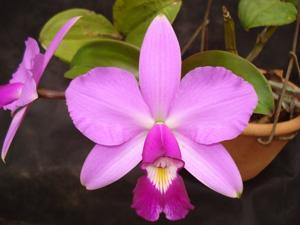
(22, 88)
(162, 122)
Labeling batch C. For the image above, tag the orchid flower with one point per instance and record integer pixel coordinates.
(21, 90)
(162, 123)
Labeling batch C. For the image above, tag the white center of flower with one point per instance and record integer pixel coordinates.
(162, 172)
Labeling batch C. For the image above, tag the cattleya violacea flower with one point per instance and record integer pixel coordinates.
(162, 123)
(21, 90)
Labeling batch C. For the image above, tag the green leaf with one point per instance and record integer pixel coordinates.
(240, 67)
(256, 13)
(132, 17)
(89, 28)
(295, 2)
(104, 53)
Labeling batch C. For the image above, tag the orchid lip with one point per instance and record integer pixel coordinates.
(162, 172)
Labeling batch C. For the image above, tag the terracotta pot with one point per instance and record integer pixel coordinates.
(252, 157)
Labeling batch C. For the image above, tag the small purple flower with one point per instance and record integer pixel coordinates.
(22, 88)
(162, 122)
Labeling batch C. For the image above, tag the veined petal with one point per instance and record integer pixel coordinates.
(150, 202)
(212, 165)
(106, 106)
(159, 67)
(160, 142)
(12, 130)
(105, 165)
(56, 41)
(212, 105)
(9, 93)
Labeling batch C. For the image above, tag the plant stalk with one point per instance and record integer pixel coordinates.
(50, 94)
(204, 30)
(261, 40)
(194, 36)
(296, 63)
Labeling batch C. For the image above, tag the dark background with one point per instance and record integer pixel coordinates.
(40, 182)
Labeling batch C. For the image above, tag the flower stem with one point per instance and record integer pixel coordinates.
(201, 28)
(296, 63)
(194, 36)
(204, 30)
(50, 94)
(261, 40)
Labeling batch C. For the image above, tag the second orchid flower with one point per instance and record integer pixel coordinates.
(22, 88)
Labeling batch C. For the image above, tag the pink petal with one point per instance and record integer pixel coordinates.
(149, 202)
(37, 69)
(28, 92)
(31, 51)
(21, 75)
(160, 67)
(32, 63)
(212, 105)
(9, 93)
(56, 41)
(105, 165)
(160, 142)
(14, 126)
(212, 165)
(107, 107)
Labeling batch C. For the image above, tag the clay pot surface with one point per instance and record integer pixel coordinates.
(252, 157)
